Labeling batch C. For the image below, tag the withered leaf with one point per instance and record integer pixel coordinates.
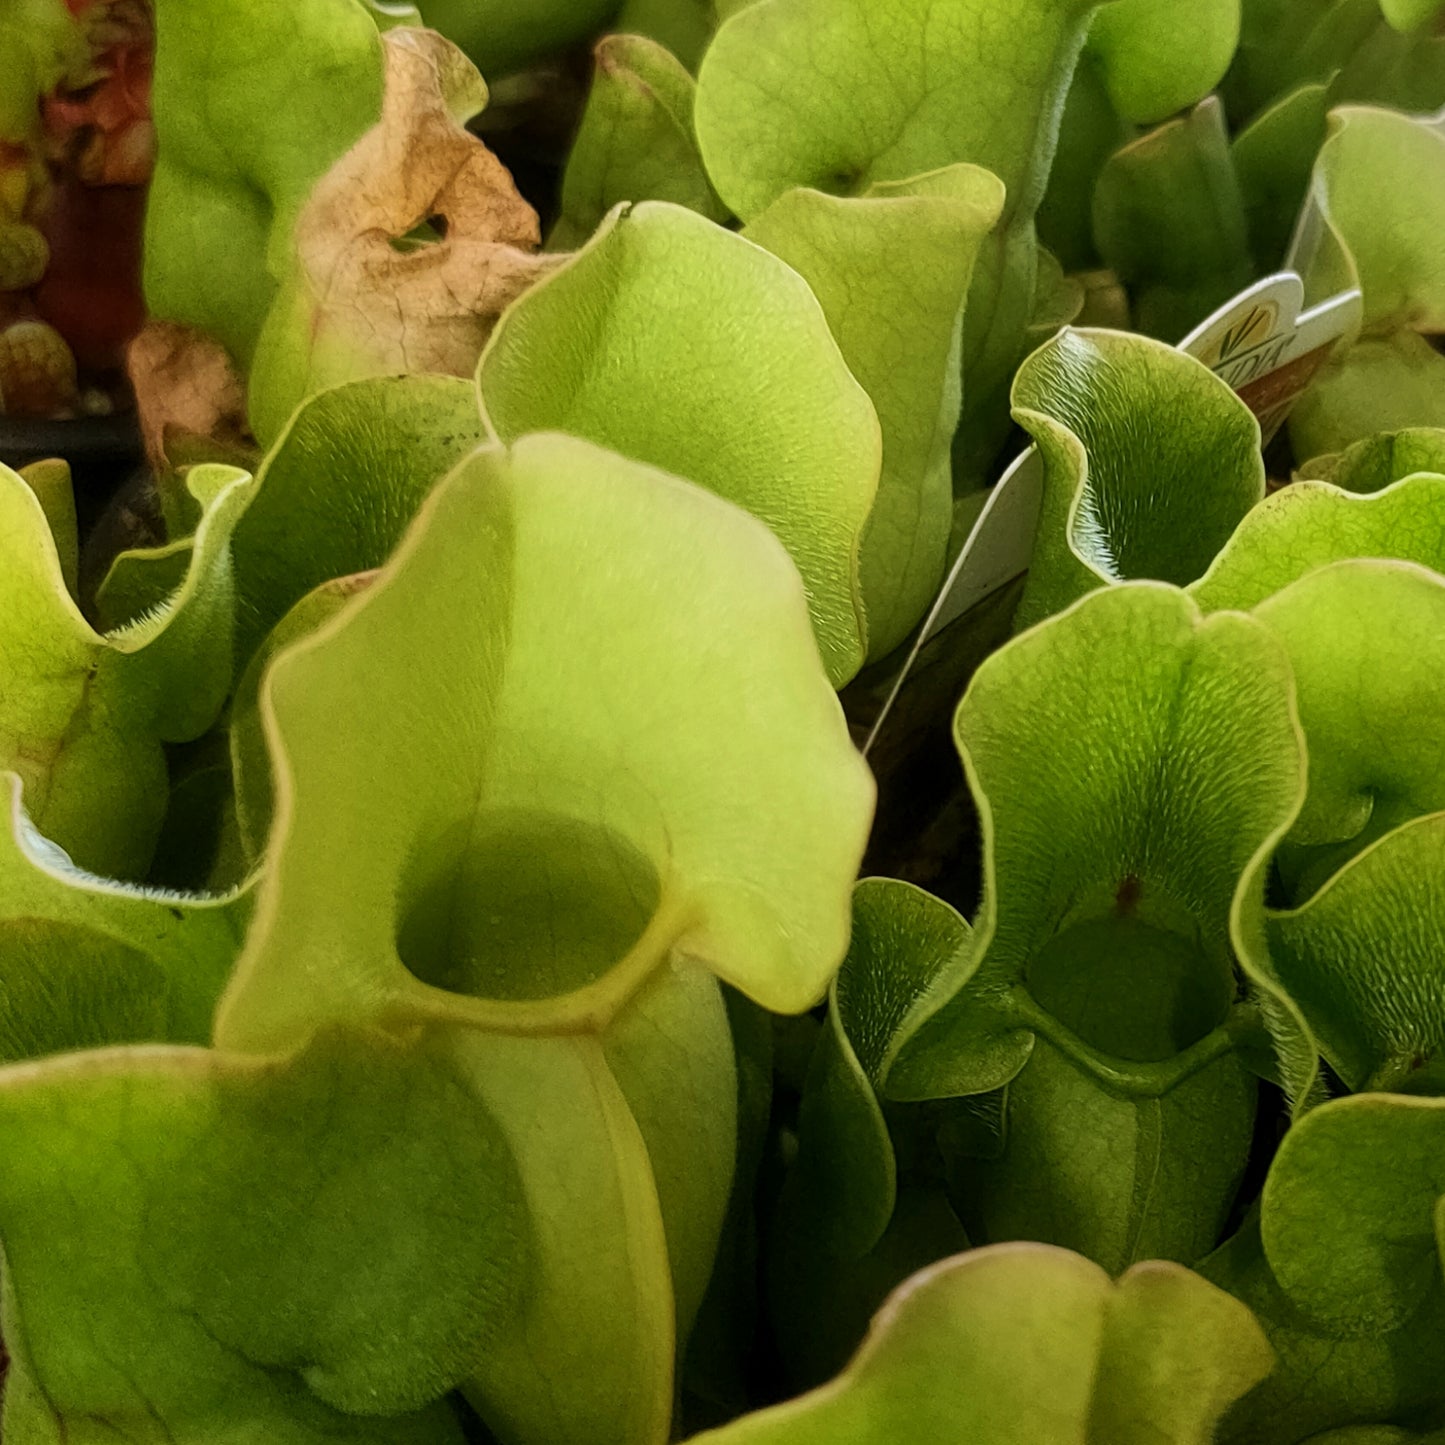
(428, 306)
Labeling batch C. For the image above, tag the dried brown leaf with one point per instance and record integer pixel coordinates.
(186, 387)
(432, 305)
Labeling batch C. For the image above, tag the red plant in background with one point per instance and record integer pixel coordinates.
(81, 187)
(102, 127)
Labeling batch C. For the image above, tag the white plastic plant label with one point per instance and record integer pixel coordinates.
(1263, 343)
(1269, 349)
(996, 553)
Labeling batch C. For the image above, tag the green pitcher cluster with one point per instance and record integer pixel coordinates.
(437, 1003)
(1211, 829)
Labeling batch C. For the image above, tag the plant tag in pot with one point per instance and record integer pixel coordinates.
(1268, 348)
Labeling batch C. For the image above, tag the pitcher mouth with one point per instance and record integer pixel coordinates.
(534, 920)
(1135, 981)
